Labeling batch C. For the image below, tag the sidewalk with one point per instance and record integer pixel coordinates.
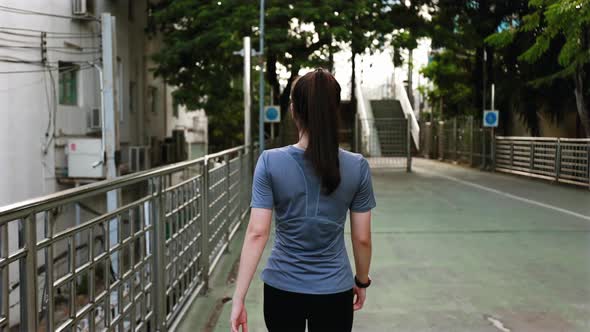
(451, 256)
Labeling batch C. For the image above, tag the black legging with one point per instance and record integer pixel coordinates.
(287, 311)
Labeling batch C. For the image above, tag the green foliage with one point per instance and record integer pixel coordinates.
(200, 37)
(556, 35)
(451, 83)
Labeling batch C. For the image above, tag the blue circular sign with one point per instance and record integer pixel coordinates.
(272, 113)
(491, 118)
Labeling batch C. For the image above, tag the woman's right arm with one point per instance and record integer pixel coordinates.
(360, 226)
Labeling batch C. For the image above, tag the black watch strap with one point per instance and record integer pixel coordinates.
(360, 284)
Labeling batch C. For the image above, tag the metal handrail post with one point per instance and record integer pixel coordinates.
(31, 275)
(588, 165)
(205, 223)
(511, 154)
(159, 223)
(532, 156)
(227, 200)
(240, 186)
(470, 121)
(557, 160)
(49, 275)
(356, 133)
(455, 139)
(409, 145)
(483, 149)
(441, 140)
(493, 148)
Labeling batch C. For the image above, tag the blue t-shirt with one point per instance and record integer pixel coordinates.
(309, 254)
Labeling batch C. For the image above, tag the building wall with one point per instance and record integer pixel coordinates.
(29, 100)
(34, 127)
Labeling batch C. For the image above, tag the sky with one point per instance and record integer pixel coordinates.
(375, 71)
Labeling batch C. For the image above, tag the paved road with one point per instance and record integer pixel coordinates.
(457, 249)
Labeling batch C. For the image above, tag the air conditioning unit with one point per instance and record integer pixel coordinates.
(80, 8)
(139, 158)
(85, 158)
(94, 120)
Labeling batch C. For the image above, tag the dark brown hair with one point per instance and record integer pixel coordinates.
(315, 101)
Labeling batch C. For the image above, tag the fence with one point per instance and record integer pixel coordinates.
(135, 268)
(558, 159)
(386, 142)
(458, 139)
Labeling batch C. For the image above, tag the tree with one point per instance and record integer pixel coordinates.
(460, 28)
(200, 38)
(562, 26)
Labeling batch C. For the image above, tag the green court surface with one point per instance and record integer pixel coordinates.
(456, 249)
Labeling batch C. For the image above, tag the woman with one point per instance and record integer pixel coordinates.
(311, 185)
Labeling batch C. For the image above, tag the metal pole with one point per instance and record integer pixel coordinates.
(111, 128)
(493, 133)
(158, 218)
(471, 140)
(409, 145)
(493, 96)
(205, 222)
(356, 133)
(558, 160)
(483, 148)
(261, 88)
(493, 148)
(226, 159)
(31, 276)
(484, 78)
(455, 138)
(247, 91)
(588, 165)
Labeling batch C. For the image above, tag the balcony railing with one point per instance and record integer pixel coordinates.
(67, 264)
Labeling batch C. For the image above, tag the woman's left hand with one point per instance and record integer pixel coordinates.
(239, 317)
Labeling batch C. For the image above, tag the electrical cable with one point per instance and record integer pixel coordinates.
(72, 36)
(48, 68)
(48, 32)
(31, 12)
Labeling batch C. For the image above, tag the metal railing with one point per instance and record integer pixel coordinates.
(563, 160)
(387, 143)
(135, 268)
(457, 139)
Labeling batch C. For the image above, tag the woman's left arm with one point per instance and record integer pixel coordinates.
(255, 240)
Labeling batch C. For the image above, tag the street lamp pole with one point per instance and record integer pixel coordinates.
(261, 88)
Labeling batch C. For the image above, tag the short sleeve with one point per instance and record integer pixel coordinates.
(364, 198)
(261, 185)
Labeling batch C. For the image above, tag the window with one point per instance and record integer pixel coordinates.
(68, 83)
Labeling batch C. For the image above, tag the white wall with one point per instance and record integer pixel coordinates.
(28, 155)
(26, 99)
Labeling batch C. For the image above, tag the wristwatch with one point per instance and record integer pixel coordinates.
(360, 284)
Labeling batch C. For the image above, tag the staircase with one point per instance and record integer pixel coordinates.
(391, 126)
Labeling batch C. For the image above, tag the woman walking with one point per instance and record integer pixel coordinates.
(311, 186)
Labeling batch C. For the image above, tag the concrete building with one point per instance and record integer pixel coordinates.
(50, 96)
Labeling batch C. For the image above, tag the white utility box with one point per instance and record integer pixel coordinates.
(84, 155)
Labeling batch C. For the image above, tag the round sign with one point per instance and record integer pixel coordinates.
(272, 113)
(491, 118)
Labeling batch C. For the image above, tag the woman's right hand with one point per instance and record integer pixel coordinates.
(239, 317)
(360, 295)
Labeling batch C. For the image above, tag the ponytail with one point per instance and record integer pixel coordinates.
(316, 103)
